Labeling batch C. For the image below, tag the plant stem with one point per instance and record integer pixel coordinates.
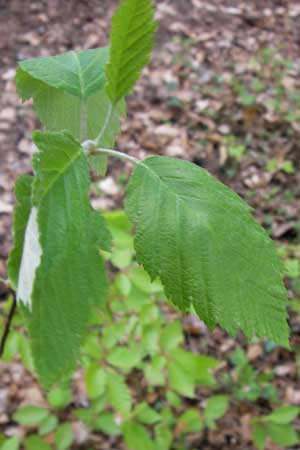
(8, 325)
(91, 148)
(5, 282)
(116, 154)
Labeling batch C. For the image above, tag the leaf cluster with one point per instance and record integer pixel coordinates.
(192, 233)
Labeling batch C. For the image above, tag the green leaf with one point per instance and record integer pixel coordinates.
(180, 380)
(197, 366)
(48, 425)
(12, 443)
(163, 437)
(91, 347)
(64, 436)
(215, 408)
(121, 258)
(21, 217)
(118, 394)
(190, 421)
(59, 111)
(154, 371)
(142, 281)
(283, 435)
(85, 415)
(292, 268)
(259, 436)
(107, 424)
(173, 399)
(98, 163)
(95, 381)
(78, 73)
(283, 415)
(136, 437)
(119, 224)
(150, 338)
(132, 40)
(60, 397)
(25, 352)
(70, 278)
(30, 415)
(123, 284)
(145, 414)
(124, 358)
(36, 443)
(113, 333)
(199, 237)
(68, 93)
(171, 336)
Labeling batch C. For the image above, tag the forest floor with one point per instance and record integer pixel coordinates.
(222, 90)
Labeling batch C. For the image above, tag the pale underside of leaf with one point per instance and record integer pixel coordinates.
(78, 73)
(199, 237)
(31, 258)
(21, 216)
(59, 110)
(79, 104)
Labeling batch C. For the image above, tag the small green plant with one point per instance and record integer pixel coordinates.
(246, 384)
(132, 342)
(191, 232)
(271, 77)
(236, 149)
(277, 426)
(285, 166)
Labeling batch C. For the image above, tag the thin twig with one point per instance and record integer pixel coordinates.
(5, 282)
(90, 148)
(8, 324)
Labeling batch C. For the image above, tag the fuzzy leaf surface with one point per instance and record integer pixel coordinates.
(132, 40)
(70, 278)
(199, 237)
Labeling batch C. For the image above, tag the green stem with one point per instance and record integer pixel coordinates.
(5, 282)
(91, 148)
(8, 323)
(116, 154)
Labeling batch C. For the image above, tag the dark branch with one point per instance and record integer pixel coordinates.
(8, 324)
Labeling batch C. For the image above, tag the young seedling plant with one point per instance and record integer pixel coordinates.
(192, 232)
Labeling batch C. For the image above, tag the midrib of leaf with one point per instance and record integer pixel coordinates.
(171, 192)
(109, 114)
(180, 200)
(177, 250)
(60, 173)
(83, 112)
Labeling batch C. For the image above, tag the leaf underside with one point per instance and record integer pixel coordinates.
(20, 220)
(199, 237)
(71, 277)
(132, 40)
(78, 73)
(68, 94)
